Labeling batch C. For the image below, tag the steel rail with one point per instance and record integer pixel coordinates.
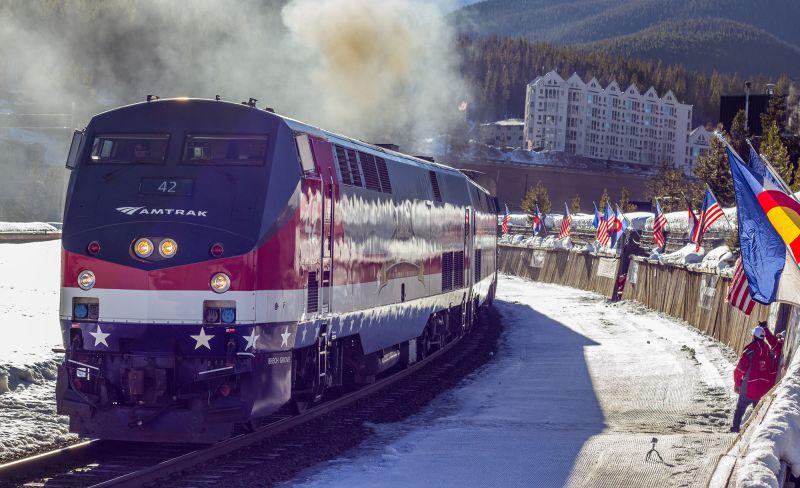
(33, 464)
(189, 460)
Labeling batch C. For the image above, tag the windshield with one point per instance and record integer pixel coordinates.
(225, 149)
(126, 149)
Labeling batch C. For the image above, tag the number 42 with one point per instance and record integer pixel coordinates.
(168, 186)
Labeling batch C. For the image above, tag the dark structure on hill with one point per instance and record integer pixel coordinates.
(729, 106)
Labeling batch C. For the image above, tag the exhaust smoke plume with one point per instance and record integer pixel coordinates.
(380, 71)
(384, 70)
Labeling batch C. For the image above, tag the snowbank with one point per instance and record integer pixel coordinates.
(776, 438)
(716, 260)
(683, 256)
(37, 227)
(29, 309)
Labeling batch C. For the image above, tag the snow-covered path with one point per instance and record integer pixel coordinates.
(579, 389)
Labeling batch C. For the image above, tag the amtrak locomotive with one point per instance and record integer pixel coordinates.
(221, 262)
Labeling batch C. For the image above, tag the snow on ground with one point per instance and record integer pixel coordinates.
(577, 391)
(776, 437)
(29, 314)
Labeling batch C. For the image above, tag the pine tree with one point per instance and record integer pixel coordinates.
(713, 169)
(625, 201)
(776, 113)
(575, 204)
(738, 135)
(604, 200)
(776, 153)
(667, 185)
(537, 195)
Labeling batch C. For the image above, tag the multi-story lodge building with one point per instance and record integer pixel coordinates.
(503, 133)
(586, 119)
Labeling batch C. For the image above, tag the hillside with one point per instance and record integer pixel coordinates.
(700, 43)
(765, 25)
(499, 68)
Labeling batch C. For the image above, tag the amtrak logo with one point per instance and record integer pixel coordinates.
(129, 210)
(161, 211)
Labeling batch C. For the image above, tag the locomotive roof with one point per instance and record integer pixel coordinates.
(297, 125)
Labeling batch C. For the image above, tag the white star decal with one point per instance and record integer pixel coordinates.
(285, 337)
(251, 339)
(202, 339)
(100, 337)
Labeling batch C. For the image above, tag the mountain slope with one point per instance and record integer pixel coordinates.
(755, 26)
(698, 44)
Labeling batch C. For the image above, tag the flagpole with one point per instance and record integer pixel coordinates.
(784, 186)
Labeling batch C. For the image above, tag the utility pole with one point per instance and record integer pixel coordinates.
(746, 107)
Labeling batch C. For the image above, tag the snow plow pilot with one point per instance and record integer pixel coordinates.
(756, 371)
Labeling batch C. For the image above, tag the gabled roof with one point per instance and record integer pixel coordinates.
(593, 83)
(632, 90)
(651, 93)
(549, 79)
(700, 134)
(669, 97)
(613, 86)
(576, 81)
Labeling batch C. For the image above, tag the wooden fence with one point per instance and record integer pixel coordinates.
(696, 297)
(561, 267)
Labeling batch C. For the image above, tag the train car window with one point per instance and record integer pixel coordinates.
(129, 148)
(249, 150)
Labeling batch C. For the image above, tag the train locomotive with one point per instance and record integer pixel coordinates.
(222, 262)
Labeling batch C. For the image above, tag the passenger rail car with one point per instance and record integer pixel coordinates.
(221, 262)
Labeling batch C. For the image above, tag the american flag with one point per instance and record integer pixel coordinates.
(658, 226)
(602, 235)
(692, 219)
(506, 220)
(537, 221)
(566, 222)
(739, 291)
(709, 214)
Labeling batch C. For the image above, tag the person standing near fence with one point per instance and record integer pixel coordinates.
(754, 375)
(775, 342)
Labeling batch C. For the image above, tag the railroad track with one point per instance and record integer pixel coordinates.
(102, 464)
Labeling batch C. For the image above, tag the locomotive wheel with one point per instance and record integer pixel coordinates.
(423, 344)
(299, 406)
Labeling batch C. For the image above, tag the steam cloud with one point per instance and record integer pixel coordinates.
(376, 70)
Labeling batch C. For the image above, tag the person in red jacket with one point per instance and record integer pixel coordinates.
(754, 375)
(775, 342)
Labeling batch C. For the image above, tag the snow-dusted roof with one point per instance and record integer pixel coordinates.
(506, 122)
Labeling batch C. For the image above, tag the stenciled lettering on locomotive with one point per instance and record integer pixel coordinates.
(162, 211)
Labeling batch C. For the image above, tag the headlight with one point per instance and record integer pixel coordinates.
(81, 311)
(86, 280)
(143, 247)
(220, 282)
(168, 248)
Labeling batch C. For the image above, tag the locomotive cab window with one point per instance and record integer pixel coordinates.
(130, 149)
(225, 149)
